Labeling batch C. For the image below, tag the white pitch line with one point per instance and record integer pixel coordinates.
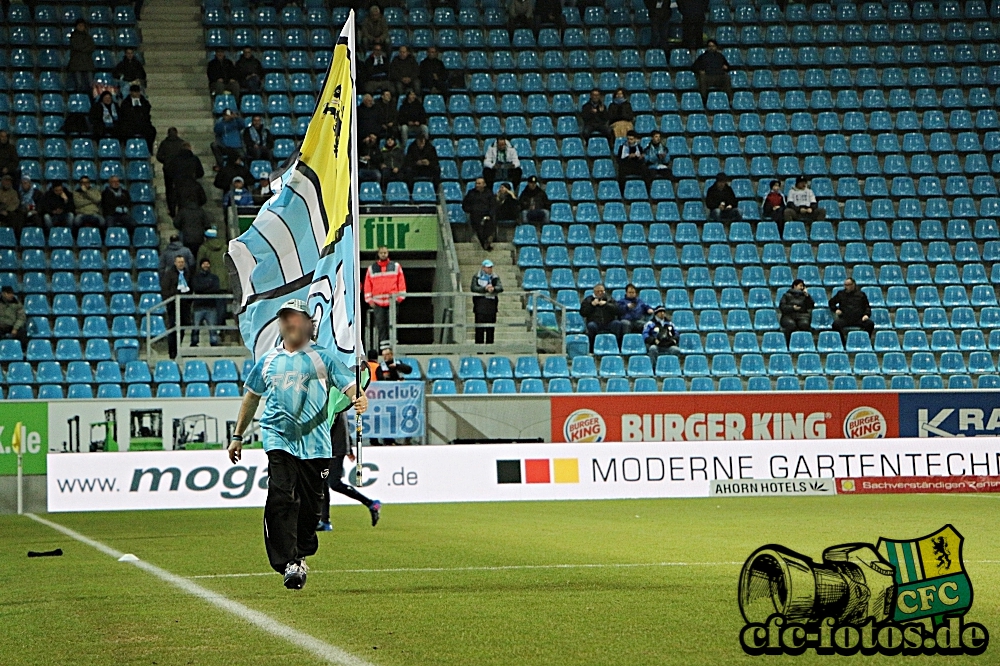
(508, 567)
(331, 654)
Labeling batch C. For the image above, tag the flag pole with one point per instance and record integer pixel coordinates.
(356, 225)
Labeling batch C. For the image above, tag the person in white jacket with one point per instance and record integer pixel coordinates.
(501, 162)
(800, 204)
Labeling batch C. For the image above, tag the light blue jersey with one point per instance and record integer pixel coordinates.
(295, 386)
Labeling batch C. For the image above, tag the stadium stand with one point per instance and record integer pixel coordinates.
(890, 108)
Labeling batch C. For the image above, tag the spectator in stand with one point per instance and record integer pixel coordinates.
(192, 221)
(632, 161)
(214, 250)
(601, 315)
(181, 174)
(796, 308)
(116, 204)
(369, 160)
(204, 281)
(634, 310)
(391, 161)
(87, 202)
(368, 121)
(129, 70)
(377, 70)
(773, 206)
(851, 309)
(383, 281)
(548, 13)
(387, 115)
(404, 72)
(535, 204)
(434, 76)
(222, 75)
(249, 72)
(29, 195)
(659, 22)
(175, 248)
(224, 177)
(508, 207)
(176, 281)
(12, 317)
(238, 194)
(10, 163)
(487, 286)
(802, 203)
(657, 156)
(520, 14)
(134, 117)
(262, 192)
(594, 116)
(104, 117)
(374, 29)
(660, 336)
(721, 201)
(712, 69)
(257, 140)
(81, 57)
(480, 205)
(169, 148)
(621, 118)
(411, 117)
(9, 204)
(501, 162)
(228, 144)
(57, 206)
(389, 369)
(421, 162)
(693, 22)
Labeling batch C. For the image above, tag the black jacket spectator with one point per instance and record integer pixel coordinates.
(134, 118)
(534, 198)
(224, 177)
(10, 164)
(104, 117)
(258, 141)
(392, 371)
(421, 162)
(368, 118)
(404, 72)
(248, 68)
(712, 63)
(853, 305)
(129, 69)
(433, 74)
(192, 221)
(386, 114)
(602, 315)
(221, 70)
(410, 112)
(170, 147)
(115, 202)
(205, 282)
(53, 203)
(720, 195)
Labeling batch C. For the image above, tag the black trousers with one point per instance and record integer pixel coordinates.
(380, 322)
(840, 325)
(484, 334)
(337, 485)
(295, 490)
(800, 321)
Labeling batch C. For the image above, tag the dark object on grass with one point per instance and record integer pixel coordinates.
(46, 553)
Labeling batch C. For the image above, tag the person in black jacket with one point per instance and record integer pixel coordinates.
(249, 71)
(659, 20)
(433, 74)
(796, 308)
(104, 117)
(116, 204)
(257, 140)
(411, 117)
(57, 207)
(368, 117)
(421, 162)
(621, 117)
(485, 304)
(181, 174)
(205, 311)
(594, 117)
(222, 75)
(134, 117)
(130, 70)
(851, 309)
(601, 314)
(176, 280)
(480, 205)
(721, 201)
(712, 69)
(535, 204)
(389, 369)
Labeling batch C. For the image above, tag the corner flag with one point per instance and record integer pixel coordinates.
(304, 240)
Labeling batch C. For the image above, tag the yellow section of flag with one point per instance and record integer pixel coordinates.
(566, 470)
(15, 440)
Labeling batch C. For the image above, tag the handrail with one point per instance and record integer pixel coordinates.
(175, 302)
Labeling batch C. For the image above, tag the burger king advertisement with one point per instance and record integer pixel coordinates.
(593, 418)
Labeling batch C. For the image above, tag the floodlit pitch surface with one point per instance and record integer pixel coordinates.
(612, 582)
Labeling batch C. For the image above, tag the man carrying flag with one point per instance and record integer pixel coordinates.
(295, 272)
(295, 380)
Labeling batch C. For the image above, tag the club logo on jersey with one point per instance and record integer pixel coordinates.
(297, 381)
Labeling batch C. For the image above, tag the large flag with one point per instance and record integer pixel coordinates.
(303, 242)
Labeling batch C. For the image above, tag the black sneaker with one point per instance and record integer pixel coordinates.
(375, 510)
(295, 575)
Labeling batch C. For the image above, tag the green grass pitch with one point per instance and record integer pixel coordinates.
(428, 585)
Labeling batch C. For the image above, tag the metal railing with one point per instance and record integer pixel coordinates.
(178, 305)
(451, 325)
